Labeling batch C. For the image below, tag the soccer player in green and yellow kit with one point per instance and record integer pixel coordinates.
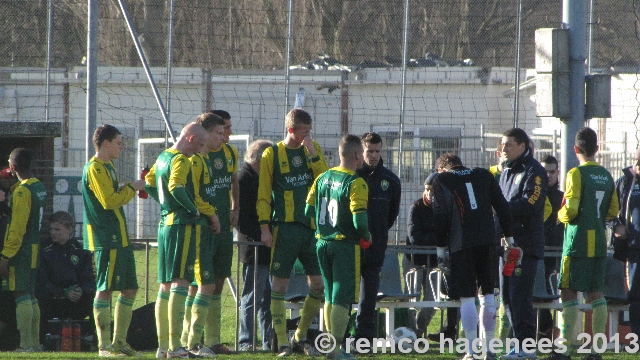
(170, 181)
(19, 256)
(589, 200)
(338, 203)
(287, 171)
(105, 233)
(222, 193)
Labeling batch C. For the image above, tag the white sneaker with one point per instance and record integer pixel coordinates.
(512, 355)
(161, 353)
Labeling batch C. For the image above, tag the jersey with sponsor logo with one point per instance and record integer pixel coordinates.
(590, 200)
(337, 194)
(221, 165)
(463, 204)
(103, 198)
(286, 174)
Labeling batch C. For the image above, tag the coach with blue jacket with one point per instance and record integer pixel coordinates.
(383, 208)
(524, 185)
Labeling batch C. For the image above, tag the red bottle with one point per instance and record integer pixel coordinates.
(364, 244)
(512, 261)
(66, 337)
(77, 337)
(143, 194)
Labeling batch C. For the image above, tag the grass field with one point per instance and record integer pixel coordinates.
(228, 326)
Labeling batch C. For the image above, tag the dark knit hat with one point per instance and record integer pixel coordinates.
(429, 180)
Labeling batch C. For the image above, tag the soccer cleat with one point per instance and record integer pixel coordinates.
(202, 351)
(161, 353)
(245, 348)
(512, 355)
(592, 357)
(284, 350)
(304, 347)
(468, 356)
(342, 355)
(126, 349)
(110, 351)
(558, 356)
(219, 349)
(19, 349)
(180, 353)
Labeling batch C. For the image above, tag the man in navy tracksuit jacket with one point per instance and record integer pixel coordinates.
(524, 185)
(383, 208)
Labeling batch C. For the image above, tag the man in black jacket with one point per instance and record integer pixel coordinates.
(524, 185)
(553, 235)
(421, 232)
(382, 210)
(249, 230)
(626, 231)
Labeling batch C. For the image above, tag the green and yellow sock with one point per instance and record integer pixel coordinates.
(162, 319)
(102, 316)
(327, 316)
(35, 324)
(212, 326)
(312, 304)
(122, 318)
(599, 317)
(279, 321)
(199, 312)
(24, 317)
(339, 323)
(176, 315)
(186, 324)
(569, 316)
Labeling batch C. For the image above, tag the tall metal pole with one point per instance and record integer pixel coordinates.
(147, 70)
(574, 18)
(92, 75)
(47, 91)
(516, 101)
(287, 72)
(403, 92)
(590, 39)
(169, 59)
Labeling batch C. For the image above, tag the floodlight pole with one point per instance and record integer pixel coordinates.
(92, 76)
(147, 70)
(574, 18)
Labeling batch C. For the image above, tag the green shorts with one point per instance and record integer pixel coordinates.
(293, 241)
(222, 254)
(340, 267)
(584, 274)
(203, 268)
(177, 252)
(115, 269)
(23, 269)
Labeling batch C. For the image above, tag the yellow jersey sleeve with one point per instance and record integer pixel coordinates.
(101, 184)
(197, 167)
(20, 210)
(358, 196)
(180, 167)
(573, 187)
(263, 205)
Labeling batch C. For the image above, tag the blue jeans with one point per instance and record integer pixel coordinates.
(263, 301)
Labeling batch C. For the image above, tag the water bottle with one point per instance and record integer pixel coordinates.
(143, 194)
(512, 261)
(66, 337)
(77, 336)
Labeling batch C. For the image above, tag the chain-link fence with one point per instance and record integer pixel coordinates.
(430, 76)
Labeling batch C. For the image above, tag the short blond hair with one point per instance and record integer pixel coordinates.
(297, 117)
